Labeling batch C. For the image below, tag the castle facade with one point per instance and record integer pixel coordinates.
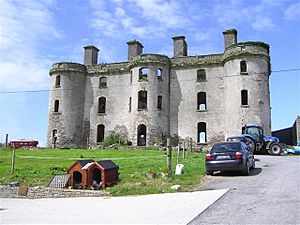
(151, 96)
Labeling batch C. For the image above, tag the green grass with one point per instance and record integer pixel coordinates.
(36, 168)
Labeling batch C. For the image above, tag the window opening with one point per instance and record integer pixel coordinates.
(100, 133)
(201, 137)
(201, 75)
(57, 81)
(201, 101)
(142, 100)
(243, 66)
(159, 73)
(244, 97)
(143, 73)
(101, 105)
(141, 132)
(56, 105)
(103, 82)
(129, 104)
(159, 102)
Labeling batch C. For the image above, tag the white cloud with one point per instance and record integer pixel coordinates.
(293, 12)
(263, 23)
(24, 27)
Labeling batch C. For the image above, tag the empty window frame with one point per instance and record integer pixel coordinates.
(201, 132)
(159, 102)
(159, 74)
(201, 101)
(57, 81)
(243, 66)
(129, 105)
(56, 105)
(201, 75)
(142, 100)
(102, 82)
(143, 73)
(101, 105)
(100, 133)
(130, 76)
(244, 97)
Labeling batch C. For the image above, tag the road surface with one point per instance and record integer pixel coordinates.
(270, 195)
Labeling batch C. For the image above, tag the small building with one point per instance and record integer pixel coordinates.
(90, 174)
(24, 143)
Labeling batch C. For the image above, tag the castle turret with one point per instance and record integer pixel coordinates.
(135, 48)
(66, 105)
(246, 86)
(90, 55)
(230, 37)
(179, 46)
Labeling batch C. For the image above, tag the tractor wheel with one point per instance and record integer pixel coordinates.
(275, 149)
(252, 144)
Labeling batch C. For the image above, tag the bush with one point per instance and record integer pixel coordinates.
(114, 138)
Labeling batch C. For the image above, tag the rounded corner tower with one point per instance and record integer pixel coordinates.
(149, 118)
(66, 105)
(246, 82)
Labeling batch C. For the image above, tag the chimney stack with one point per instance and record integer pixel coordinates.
(90, 55)
(179, 46)
(230, 37)
(135, 48)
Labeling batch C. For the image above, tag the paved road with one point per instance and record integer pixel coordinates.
(270, 195)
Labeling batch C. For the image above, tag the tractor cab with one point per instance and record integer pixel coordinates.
(256, 132)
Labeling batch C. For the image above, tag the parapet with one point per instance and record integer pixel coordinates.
(149, 59)
(249, 48)
(67, 67)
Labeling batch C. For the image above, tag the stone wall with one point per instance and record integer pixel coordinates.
(42, 192)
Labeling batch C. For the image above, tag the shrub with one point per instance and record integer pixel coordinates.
(114, 138)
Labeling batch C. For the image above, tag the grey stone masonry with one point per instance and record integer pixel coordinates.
(179, 46)
(135, 48)
(150, 97)
(42, 192)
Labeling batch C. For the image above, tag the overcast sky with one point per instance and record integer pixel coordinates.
(37, 33)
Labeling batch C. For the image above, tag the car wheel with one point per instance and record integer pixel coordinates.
(246, 170)
(209, 173)
(253, 164)
(275, 149)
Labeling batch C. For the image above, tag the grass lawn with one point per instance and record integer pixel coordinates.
(36, 168)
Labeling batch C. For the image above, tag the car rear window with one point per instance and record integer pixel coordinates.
(226, 147)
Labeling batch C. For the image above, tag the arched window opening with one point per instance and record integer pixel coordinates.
(100, 133)
(159, 73)
(159, 102)
(201, 134)
(129, 110)
(141, 132)
(142, 100)
(102, 82)
(244, 97)
(243, 66)
(101, 105)
(201, 101)
(143, 73)
(57, 81)
(54, 137)
(56, 105)
(201, 75)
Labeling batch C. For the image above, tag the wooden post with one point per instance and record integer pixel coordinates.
(13, 161)
(191, 144)
(6, 140)
(183, 155)
(169, 156)
(178, 153)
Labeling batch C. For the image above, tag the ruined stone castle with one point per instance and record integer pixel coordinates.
(152, 96)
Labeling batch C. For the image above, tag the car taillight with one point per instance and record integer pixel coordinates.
(208, 157)
(238, 155)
